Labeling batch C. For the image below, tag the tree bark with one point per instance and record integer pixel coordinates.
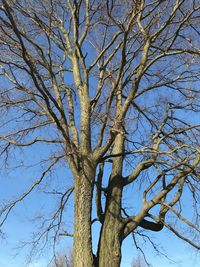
(109, 254)
(82, 250)
(111, 236)
(109, 250)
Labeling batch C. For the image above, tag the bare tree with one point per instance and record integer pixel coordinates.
(62, 260)
(113, 88)
(138, 262)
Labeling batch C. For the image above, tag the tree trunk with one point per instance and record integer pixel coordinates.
(109, 254)
(82, 250)
(109, 249)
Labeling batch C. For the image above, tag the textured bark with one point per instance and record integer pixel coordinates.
(82, 251)
(109, 250)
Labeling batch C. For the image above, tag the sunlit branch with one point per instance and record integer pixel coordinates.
(193, 244)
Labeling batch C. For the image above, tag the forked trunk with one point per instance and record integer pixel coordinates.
(82, 250)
